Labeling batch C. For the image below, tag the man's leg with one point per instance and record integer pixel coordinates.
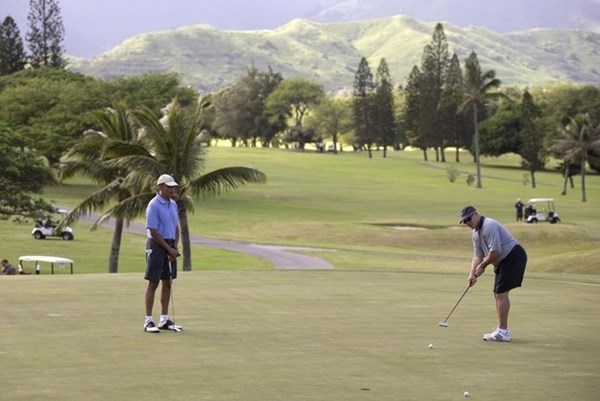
(150, 290)
(165, 296)
(502, 309)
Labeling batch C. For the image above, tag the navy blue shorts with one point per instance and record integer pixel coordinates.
(157, 262)
(510, 270)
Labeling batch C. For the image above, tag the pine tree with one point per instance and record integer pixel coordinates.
(362, 105)
(384, 119)
(531, 137)
(412, 110)
(45, 38)
(453, 123)
(434, 64)
(12, 55)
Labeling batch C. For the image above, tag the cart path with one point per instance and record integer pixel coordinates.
(282, 257)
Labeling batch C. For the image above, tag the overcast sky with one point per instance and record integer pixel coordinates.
(94, 26)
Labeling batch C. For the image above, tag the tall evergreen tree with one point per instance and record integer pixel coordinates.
(12, 55)
(434, 65)
(412, 110)
(362, 105)
(453, 123)
(46, 34)
(384, 118)
(531, 137)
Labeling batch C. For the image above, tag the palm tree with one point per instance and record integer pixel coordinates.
(174, 144)
(90, 158)
(476, 94)
(580, 136)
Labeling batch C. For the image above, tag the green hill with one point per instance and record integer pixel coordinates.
(210, 59)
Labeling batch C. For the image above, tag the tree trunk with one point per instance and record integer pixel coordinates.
(564, 191)
(115, 248)
(477, 161)
(532, 178)
(184, 230)
(583, 196)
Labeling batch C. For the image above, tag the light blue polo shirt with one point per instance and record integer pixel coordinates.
(162, 215)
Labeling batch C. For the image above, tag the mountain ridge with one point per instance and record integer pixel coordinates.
(501, 16)
(209, 58)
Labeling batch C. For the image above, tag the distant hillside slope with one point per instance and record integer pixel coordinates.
(500, 16)
(210, 59)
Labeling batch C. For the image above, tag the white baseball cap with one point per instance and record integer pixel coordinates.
(167, 180)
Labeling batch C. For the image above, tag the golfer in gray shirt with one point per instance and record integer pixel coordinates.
(494, 245)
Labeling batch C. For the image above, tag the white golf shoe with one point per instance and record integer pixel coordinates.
(149, 327)
(497, 335)
(169, 325)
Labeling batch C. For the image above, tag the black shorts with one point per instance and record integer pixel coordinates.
(510, 270)
(157, 262)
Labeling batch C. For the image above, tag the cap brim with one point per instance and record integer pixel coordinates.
(463, 220)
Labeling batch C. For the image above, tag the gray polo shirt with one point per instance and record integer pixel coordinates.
(492, 236)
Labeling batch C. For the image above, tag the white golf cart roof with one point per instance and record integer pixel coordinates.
(535, 200)
(61, 262)
(49, 259)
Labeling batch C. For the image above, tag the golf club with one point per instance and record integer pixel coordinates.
(174, 328)
(444, 323)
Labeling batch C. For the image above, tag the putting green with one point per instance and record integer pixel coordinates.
(298, 335)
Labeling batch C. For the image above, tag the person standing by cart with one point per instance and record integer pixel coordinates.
(162, 224)
(519, 208)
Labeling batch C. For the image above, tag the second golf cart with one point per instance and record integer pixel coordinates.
(47, 228)
(541, 209)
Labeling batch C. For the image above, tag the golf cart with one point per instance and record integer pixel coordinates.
(47, 228)
(546, 213)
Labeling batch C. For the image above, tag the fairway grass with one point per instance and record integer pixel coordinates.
(398, 213)
(298, 335)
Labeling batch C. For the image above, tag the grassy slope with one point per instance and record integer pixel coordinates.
(350, 203)
(365, 211)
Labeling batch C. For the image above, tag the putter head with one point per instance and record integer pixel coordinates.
(443, 324)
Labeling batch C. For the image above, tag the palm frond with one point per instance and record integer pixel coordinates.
(115, 150)
(95, 201)
(127, 209)
(225, 179)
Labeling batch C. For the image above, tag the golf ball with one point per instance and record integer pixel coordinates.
(430, 346)
(467, 394)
